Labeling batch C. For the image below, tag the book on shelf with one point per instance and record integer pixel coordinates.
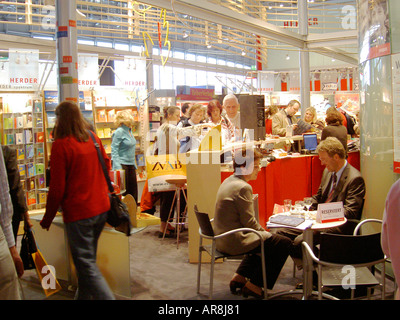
(30, 184)
(18, 122)
(101, 115)
(21, 153)
(21, 169)
(38, 123)
(107, 132)
(38, 106)
(107, 147)
(27, 120)
(51, 119)
(19, 138)
(39, 152)
(29, 151)
(100, 132)
(28, 137)
(31, 197)
(8, 123)
(10, 138)
(111, 115)
(39, 168)
(40, 182)
(41, 197)
(135, 129)
(39, 137)
(30, 169)
(140, 160)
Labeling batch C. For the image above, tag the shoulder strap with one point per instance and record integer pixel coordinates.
(103, 165)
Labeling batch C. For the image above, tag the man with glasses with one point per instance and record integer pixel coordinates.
(284, 118)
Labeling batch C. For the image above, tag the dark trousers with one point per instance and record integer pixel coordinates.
(130, 181)
(276, 249)
(166, 202)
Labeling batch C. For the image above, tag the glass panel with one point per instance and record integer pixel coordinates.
(376, 140)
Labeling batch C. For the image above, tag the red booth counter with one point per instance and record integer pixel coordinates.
(288, 178)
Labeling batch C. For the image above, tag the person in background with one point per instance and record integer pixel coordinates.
(168, 136)
(184, 110)
(79, 187)
(334, 127)
(11, 265)
(285, 117)
(310, 116)
(17, 192)
(215, 117)
(390, 236)
(234, 209)
(196, 115)
(123, 151)
(231, 106)
(269, 112)
(340, 182)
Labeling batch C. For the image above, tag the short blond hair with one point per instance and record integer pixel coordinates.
(124, 117)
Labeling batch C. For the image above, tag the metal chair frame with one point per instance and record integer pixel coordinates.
(320, 264)
(215, 254)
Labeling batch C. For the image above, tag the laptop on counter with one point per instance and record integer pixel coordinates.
(310, 142)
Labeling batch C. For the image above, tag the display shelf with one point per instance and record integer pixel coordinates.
(23, 129)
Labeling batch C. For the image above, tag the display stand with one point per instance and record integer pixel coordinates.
(201, 192)
(114, 264)
(23, 130)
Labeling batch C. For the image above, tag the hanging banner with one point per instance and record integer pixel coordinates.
(373, 31)
(88, 70)
(23, 69)
(267, 82)
(164, 167)
(133, 73)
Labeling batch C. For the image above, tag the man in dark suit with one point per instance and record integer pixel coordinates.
(16, 190)
(349, 188)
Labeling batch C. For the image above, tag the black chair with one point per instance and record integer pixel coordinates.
(338, 254)
(206, 232)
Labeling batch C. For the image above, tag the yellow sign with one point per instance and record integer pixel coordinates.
(165, 167)
(212, 141)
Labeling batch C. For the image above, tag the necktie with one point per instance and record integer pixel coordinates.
(330, 195)
(289, 119)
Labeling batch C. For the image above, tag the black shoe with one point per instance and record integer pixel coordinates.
(236, 286)
(246, 292)
(168, 234)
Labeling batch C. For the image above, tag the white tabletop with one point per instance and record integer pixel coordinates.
(308, 222)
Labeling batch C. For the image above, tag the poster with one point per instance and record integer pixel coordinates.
(396, 111)
(374, 31)
(164, 167)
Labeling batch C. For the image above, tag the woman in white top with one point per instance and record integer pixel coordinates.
(168, 136)
(196, 115)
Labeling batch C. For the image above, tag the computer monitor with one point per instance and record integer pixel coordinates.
(310, 141)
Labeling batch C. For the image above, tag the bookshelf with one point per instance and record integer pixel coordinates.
(23, 129)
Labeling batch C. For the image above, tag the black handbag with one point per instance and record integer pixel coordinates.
(28, 247)
(118, 216)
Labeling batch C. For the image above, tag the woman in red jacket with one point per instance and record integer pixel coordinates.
(79, 188)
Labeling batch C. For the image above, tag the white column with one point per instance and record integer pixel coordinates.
(67, 50)
(304, 57)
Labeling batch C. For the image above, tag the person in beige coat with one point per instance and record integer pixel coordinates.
(283, 118)
(234, 209)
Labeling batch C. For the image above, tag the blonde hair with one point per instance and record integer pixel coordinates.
(313, 112)
(124, 117)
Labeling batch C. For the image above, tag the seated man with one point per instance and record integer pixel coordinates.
(234, 209)
(349, 188)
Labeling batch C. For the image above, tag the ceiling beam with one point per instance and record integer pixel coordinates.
(205, 10)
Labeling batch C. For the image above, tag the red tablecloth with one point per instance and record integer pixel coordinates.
(290, 178)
